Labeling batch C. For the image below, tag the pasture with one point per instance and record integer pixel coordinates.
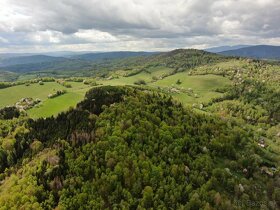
(48, 107)
(203, 88)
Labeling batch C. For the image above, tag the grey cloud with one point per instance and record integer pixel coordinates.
(158, 23)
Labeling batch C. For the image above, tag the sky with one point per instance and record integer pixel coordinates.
(135, 25)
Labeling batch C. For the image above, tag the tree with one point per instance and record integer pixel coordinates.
(147, 199)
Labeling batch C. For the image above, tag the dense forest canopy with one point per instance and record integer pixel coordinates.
(134, 148)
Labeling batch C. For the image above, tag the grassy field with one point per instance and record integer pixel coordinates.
(145, 75)
(10, 96)
(203, 87)
(128, 80)
(56, 105)
(200, 83)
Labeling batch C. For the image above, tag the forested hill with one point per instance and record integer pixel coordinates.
(132, 148)
(103, 62)
(178, 60)
(85, 61)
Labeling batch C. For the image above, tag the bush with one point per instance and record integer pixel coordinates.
(140, 82)
(178, 82)
(90, 82)
(57, 93)
(65, 84)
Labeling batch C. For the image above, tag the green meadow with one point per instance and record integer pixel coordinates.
(204, 86)
(203, 89)
(47, 107)
(56, 105)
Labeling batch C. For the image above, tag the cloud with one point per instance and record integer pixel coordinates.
(137, 24)
(3, 40)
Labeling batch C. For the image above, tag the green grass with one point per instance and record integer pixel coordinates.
(202, 85)
(154, 71)
(56, 105)
(10, 96)
(24, 77)
(160, 71)
(189, 100)
(128, 80)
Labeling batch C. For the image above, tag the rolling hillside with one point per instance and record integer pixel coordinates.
(184, 129)
(96, 65)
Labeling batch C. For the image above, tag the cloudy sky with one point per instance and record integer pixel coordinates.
(110, 25)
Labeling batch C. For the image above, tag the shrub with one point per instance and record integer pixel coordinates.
(140, 82)
(178, 82)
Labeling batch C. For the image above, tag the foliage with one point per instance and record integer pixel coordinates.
(178, 82)
(137, 148)
(9, 113)
(130, 148)
(91, 82)
(140, 82)
(57, 93)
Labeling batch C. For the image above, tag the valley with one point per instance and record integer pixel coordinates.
(140, 105)
(206, 124)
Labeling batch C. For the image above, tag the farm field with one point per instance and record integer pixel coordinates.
(203, 86)
(128, 80)
(147, 76)
(11, 95)
(56, 105)
(48, 107)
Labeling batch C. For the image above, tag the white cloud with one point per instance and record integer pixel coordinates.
(93, 35)
(137, 24)
(45, 37)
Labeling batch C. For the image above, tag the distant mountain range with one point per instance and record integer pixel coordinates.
(29, 59)
(66, 60)
(110, 55)
(225, 48)
(64, 54)
(259, 52)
